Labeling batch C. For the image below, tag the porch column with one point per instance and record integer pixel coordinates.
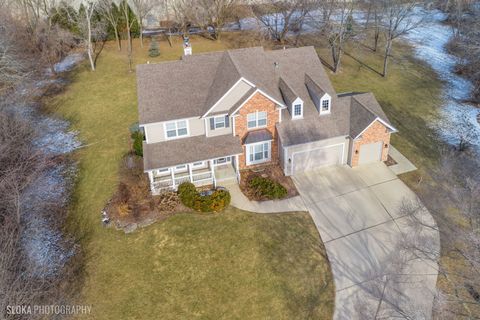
(172, 174)
(237, 170)
(190, 172)
(150, 177)
(213, 173)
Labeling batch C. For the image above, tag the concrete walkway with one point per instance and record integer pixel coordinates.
(357, 213)
(403, 164)
(239, 200)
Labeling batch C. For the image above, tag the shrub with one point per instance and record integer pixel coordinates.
(188, 194)
(153, 51)
(214, 202)
(267, 188)
(137, 137)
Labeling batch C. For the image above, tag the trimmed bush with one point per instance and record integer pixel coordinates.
(188, 194)
(267, 188)
(137, 137)
(214, 202)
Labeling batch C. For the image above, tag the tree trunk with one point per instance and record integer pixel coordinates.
(129, 37)
(375, 41)
(141, 34)
(89, 43)
(117, 39)
(388, 48)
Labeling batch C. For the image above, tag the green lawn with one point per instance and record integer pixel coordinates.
(233, 265)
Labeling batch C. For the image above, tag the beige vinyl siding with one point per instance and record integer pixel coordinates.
(156, 132)
(229, 100)
(218, 132)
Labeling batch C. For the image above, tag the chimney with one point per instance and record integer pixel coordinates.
(187, 47)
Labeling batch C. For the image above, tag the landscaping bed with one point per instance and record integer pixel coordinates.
(267, 183)
(133, 205)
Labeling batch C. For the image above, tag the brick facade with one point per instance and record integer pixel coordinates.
(257, 103)
(375, 133)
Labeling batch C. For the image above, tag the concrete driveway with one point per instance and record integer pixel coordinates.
(357, 213)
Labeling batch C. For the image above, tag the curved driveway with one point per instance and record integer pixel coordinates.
(368, 240)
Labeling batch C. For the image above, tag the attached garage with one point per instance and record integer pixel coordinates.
(371, 152)
(316, 158)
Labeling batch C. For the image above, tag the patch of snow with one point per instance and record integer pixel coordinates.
(68, 62)
(429, 41)
(45, 245)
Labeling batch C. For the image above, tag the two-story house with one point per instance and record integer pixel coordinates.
(208, 116)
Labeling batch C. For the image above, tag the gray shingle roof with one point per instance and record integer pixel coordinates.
(173, 152)
(257, 136)
(287, 92)
(348, 117)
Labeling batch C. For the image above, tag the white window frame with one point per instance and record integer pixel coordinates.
(256, 114)
(219, 120)
(177, 136)
(198, 164)
(180, 168)
(297, 102)
(162, 172)
(326, 97)
(251, 146)
(224, 160)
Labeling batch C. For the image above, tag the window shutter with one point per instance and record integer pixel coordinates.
(227, 121)
(212, 123)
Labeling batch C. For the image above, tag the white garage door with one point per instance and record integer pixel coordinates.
(311, 159)
(371, 152)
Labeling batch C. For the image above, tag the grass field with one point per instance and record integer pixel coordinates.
(233, 265)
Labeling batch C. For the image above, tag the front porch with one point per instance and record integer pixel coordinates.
(200, 173)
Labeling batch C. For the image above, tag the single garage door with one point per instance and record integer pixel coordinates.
(311, 159)
(371, 152)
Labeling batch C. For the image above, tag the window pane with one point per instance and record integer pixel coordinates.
(258, 148)
(182, 132)
(325, 105)
(219, 122)
(258, 156)
(171, 133)
(252, 124)
(251, 117)
(182, 124)
(170, 126)
(297, 110)
(262, 119)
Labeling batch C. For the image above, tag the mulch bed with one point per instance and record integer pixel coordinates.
(390, 161)
(273, 172)
(133, 205)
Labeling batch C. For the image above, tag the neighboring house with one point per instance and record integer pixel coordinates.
(208, 116)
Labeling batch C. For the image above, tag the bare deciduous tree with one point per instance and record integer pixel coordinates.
(338, 30)
(110, 12)
(142, 8)
(282, 17)
(215, 13)
(398, 19)
(129, 21)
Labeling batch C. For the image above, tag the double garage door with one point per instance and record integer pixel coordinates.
(316, 158)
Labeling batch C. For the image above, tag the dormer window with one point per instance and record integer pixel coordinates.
(325, 104)
(297, 109)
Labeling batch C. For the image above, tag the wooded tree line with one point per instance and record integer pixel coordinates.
(26, 48)
(464, 16)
